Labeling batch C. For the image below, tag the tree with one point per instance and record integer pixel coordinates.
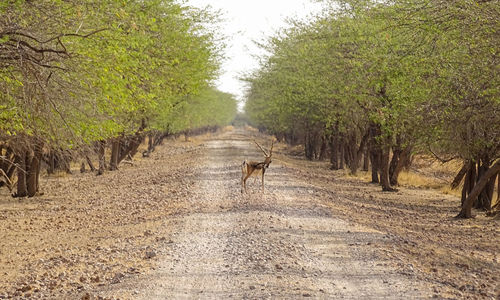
(387, 77)
(95, 71)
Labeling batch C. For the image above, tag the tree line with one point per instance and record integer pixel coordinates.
(376, 82)
(78, 78)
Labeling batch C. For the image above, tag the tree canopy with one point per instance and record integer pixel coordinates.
(73, 73)
(387, 76)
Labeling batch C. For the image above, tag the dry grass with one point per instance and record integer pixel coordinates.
(227, 128)
(251, 129)
(412, 179)
(418, 180)
(428, 174)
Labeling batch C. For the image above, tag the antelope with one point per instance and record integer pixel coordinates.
(247, 168)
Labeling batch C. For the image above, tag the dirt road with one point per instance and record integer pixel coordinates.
(281, 244)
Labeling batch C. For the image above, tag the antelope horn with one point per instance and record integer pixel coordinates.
(271, 151)
(265, 153)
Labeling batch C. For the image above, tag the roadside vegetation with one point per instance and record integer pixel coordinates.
(90, 80)
(378, 83)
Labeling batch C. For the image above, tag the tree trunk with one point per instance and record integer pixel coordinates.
(366, 160)
(484, 199)
(481, 169)
(468, 175)
(350, 153)
(135, 147)
(309, 146)
(22, 190)
(7, 166)
(334, 152)
(375, 151)
(404, 156)
(490, 189)
(322, 151)
(375, 162)
(131, 148)
(101, 153)
(356, 152)
(51, 162)
(1, 154)
(34, 172)
(472, 178)
(354, 164)
(4, 164)
(347, 152)
(115, 152)
(10, 171)
(409, 161)
(89, 162)
(342, 155)
(466, 211)
(384, 170)
(458, 178)
(396, 155)
(151, 142)
(497, 205)
(65, 161)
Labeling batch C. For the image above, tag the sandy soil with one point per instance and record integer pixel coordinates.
(176, 226)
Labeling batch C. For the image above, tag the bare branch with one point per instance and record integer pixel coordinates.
(26, 35)
(442, 160)
(74, 35)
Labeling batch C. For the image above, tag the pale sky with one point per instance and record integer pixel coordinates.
(246, 21)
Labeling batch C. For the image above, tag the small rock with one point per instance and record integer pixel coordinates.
(306, 295)
(25, 288)
(117, 278)
(150, 254)
(86, 296)
(252, 287)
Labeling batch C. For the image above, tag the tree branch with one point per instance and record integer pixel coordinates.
(442, 160)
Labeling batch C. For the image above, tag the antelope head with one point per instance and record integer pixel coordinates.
(268, 156)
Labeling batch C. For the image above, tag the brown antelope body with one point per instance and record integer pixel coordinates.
(249, 167)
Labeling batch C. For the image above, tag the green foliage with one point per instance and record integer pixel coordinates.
(209, 108)
(424, 71)
(92, 70)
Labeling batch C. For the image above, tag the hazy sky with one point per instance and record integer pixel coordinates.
(246, 21)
